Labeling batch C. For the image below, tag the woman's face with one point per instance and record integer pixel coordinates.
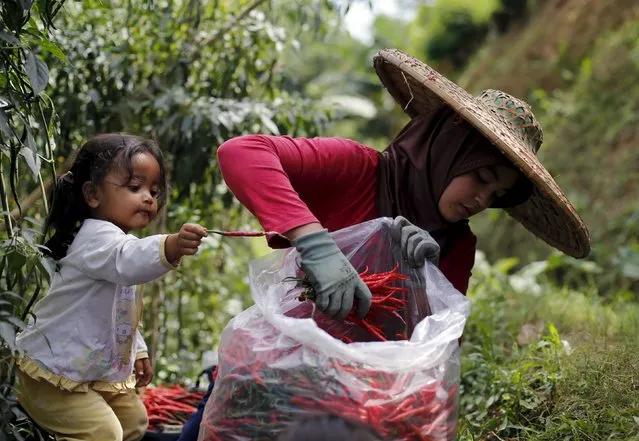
(473, 192)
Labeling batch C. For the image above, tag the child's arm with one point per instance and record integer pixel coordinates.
(106, 253)
(141, 350)
(142, 366)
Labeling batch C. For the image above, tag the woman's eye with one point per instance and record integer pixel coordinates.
(134, 188)
(480, 179)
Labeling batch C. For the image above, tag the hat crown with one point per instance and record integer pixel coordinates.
(516, 115)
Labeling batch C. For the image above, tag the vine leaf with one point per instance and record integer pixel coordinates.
(37, 72)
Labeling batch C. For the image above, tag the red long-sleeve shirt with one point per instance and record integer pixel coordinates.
(289, 182)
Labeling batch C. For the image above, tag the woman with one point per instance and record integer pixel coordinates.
(445, 166)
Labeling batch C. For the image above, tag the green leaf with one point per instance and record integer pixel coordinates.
(269, 124)
(504, 266)
(10, 39)
(629, 262)
(11, 294)
(19, 437)
(32, 159)
(37, 72)
(26, 5)
(46, 267)
(54, 50)
(529, 404)
(16, 260)
(4, 123)
(31, 140)
(554, 334)
(8, 334)
(15, 321)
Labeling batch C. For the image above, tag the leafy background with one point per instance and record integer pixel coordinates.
(550, 351)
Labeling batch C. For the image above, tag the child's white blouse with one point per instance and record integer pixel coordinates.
(85, 334)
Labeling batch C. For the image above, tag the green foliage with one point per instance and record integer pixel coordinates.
(447, 33)
(193, 85)
(508, 13)
(28, 125)
(343, 78)
(506, 389)
(597, 400)
(525, 378)
(459, 37)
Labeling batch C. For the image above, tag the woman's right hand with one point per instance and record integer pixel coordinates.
(185, 242)
(417, 245)
(335, 282)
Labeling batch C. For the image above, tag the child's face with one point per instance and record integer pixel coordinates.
(129, 204)
(473, 192)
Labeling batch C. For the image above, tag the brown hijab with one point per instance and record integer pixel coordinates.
(423, 159)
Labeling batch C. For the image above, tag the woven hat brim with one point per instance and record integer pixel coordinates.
(547, 213)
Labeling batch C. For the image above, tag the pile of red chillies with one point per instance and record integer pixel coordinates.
(263, 387)
(170, 406)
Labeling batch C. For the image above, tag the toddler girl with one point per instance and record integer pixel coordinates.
(83, 355)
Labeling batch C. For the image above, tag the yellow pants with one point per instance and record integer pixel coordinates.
(82, 416)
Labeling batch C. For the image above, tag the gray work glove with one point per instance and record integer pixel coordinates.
(335, 281)
(416, 244)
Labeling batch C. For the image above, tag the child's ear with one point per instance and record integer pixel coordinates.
(91, 194)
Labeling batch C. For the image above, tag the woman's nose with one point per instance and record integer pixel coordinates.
(483, 199)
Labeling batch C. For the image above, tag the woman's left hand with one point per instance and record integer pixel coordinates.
(417, 245)
(143, 372)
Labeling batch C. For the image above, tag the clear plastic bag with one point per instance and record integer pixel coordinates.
(274, 368)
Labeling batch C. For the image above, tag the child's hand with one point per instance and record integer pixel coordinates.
(184, 243)
(143, 372)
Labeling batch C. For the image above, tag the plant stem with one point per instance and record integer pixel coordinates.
(5, 202)
(44, 192)
(34, 296)
(50, 158)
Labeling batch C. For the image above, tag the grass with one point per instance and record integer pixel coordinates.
(558, 36)
(576, 379)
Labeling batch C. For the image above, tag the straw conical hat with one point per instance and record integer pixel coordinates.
(510, 125)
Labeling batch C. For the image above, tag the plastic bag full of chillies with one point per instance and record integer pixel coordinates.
(397, 371)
